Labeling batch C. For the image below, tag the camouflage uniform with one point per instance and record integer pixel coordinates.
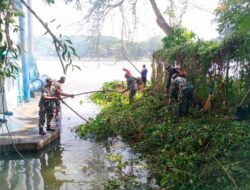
(132, 86)
(46, 107)
(182, 91)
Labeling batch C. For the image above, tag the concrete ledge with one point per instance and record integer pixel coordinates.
(27, 140)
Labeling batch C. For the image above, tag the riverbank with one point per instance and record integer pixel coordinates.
(199, 151)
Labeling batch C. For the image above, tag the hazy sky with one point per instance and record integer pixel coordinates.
(198, 18)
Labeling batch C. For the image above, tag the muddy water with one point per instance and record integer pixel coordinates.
(73, 163)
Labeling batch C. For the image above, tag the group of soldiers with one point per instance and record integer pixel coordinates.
(177, 87)
(49, 104)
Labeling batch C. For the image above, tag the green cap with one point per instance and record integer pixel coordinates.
(48, 79)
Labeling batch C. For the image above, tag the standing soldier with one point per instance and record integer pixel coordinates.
(59, 93)
(182, 91)
(144, 72)
(131, 86)
(46, 105)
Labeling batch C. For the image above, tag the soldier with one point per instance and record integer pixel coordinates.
(144, 72)
(46, 105)
(171, 71)
(58, 94)
(182, 91)
(131, 86)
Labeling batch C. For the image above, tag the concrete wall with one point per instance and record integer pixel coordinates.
(12, 94)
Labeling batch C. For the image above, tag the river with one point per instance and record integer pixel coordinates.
(72, 163)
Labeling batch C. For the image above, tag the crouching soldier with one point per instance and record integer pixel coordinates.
(131, 86)
(182, 91)
(46, 105)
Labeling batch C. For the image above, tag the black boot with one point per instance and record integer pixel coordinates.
(41, 131)
(49, 128)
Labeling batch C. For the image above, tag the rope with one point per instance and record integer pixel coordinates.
(73, 110)
(5, 121)
(92, 92)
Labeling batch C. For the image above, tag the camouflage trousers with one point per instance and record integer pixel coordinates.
(184, 101)
(131, 95)
(45, 112)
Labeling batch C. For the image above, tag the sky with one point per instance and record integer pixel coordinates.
(198, 18)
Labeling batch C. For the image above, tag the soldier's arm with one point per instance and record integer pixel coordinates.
(50, 97)
(47, 96)
(61, 93)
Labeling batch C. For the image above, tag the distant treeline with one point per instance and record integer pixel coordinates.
(105, 46)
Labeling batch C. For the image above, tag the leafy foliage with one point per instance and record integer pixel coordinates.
(223, 61)
(9, 50)
(234, 16)
(201, 151)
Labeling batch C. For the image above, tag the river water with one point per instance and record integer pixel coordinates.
(73, 163)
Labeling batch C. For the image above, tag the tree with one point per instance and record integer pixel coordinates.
(9, 49)
(97, 14)
(233, 16)
(101, 8)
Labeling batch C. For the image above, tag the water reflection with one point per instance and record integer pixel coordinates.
(50, 160)
(36, 171)
(47, 169)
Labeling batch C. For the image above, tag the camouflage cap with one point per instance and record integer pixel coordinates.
(48, 79)
(62, 78)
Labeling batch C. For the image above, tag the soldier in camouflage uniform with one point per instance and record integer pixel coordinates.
(46, 105)
(131, 86)
(182, 91)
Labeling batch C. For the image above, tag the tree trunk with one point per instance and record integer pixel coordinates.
(160, 19)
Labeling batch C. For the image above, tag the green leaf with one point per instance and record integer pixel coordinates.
(69, 41)
(78, 67)
(244, 25)
(64, 51)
